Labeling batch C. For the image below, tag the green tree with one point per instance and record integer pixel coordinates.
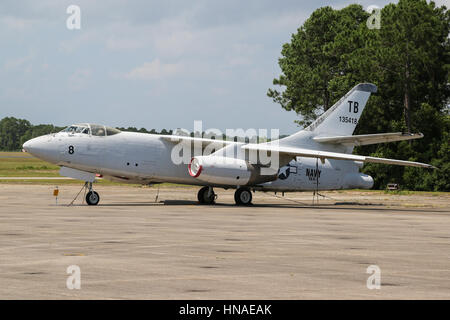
(408, 59)
(411, 52)
(12, 133)
(314, 71)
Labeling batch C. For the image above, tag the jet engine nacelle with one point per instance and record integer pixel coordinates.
(226, 171)
(358, 180)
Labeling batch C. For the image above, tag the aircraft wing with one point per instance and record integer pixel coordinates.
(308, 153)
(365, 139)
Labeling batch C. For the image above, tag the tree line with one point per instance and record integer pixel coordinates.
(408, 58)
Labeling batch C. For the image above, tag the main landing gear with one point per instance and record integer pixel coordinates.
(206, 195)
(242, 196)
(92, 197)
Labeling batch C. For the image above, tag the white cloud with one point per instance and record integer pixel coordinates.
(154, 70)
(16, 23)
(227, 50)
(79, 79)
(174, 43)
(123, 43)
(239, 61)
(74, 43)
(17, 62)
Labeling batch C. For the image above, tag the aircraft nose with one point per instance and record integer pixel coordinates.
(42, 147)
(28, 145)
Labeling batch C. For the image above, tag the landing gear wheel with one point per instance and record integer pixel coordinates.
(243, 197)
(205, 196)
(92, 198)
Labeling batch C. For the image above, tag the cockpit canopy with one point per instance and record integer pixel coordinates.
(91, 129)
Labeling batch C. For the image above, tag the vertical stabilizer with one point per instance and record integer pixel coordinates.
(341, 119)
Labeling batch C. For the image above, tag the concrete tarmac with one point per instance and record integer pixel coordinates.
(131, 247)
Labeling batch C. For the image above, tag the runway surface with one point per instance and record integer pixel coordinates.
(131, 247)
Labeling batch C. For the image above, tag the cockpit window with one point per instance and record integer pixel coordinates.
(77, 129)
(84, 130)
(98, 130)
(111, 131)
(70, 129)
(94, 129)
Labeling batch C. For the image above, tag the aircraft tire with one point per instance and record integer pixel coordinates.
(243, 197)
(203, 198)
(92, 198)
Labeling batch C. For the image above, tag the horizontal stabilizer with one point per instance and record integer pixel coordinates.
(308, 153)
(365, 139)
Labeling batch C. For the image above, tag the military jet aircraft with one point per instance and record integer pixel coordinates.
(316, 158)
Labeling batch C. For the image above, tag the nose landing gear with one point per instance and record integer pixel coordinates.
(92, 197)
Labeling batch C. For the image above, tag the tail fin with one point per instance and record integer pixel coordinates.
(343, 116)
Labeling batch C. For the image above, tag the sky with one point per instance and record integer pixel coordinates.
(151, 64)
